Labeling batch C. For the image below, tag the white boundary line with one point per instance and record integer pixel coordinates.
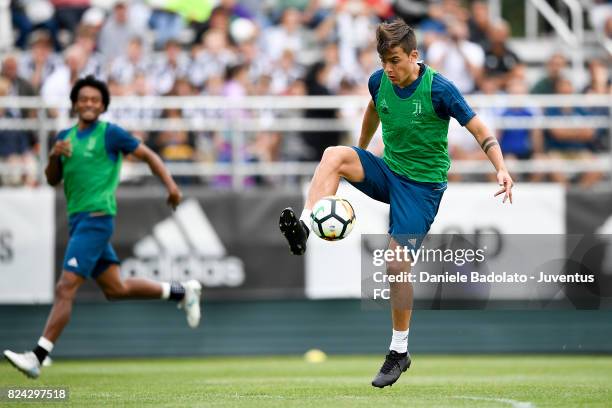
(511, 402)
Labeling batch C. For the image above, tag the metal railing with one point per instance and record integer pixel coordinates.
(241, 118)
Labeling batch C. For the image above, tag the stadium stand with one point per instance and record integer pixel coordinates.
(254, 52)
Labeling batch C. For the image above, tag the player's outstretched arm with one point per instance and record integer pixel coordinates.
(53, 171)
(488, 142)
(368, 125)
(159, 169)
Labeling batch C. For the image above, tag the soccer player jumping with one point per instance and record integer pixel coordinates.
(414, 104)
(88, 158)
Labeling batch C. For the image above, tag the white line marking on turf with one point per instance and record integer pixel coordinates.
(513, 403)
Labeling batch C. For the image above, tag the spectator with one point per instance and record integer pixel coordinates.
(250, 54)
(116, 32)
(317, 142)
(39, 61)
(14, 144)
(139, 15)
(124, 68)
(554, 69)
(499, 59)
(212, 58)
(56, 88)
(460, 60)
(433, 28)
(435, 19)
(28, 17)
(367, 63)
(236, 87)
(177, 146)
(94, 61)
(93, 18)
(480, 23)
(171, 65)
(599, 83)
(570, 143)
(454, 10)
(284, 72)
(525, 143)
(68, 13)
(355, 23)
(219, 20)
(237, 82)
(290, 34)
(183, 87)
(599, 77)
(136, 114)
(336, 70)
(167, 26)
(18, 87)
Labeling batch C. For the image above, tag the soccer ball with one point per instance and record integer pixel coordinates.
(332, 218)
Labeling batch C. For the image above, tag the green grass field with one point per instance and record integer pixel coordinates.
(433, 381)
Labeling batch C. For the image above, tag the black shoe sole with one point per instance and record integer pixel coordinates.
(288, 223)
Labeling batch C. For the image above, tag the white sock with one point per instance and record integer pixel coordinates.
(399, 341)
(165, 290)
(46, 344)
(306, 217)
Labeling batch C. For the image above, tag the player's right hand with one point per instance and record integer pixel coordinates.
(62, 148)
(175, 196)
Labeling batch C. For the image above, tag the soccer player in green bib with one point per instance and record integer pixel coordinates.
(88, 158)
(414, 103)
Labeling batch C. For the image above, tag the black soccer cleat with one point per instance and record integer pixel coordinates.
(294, 230)
(395, 364)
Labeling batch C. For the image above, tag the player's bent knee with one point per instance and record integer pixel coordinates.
(332, 157)
(341, 159)
(116, 292)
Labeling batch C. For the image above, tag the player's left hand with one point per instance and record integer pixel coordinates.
(174, 197)
(506, 183)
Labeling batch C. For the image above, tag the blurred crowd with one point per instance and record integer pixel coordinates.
(277, 47)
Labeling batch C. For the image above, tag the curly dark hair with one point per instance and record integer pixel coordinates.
(90, 80)
(393, 34)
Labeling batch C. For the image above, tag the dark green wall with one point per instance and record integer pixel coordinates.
(289, 327)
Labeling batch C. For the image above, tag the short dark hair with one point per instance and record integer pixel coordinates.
(90, 80)
(393, 34)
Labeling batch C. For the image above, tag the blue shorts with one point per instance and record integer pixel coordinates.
(89, 252)
(413, 204)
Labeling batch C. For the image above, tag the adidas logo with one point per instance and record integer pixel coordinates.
(73, 262)
(384, 107)
(185, 246)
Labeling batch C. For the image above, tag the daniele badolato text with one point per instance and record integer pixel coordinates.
(479, 277)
